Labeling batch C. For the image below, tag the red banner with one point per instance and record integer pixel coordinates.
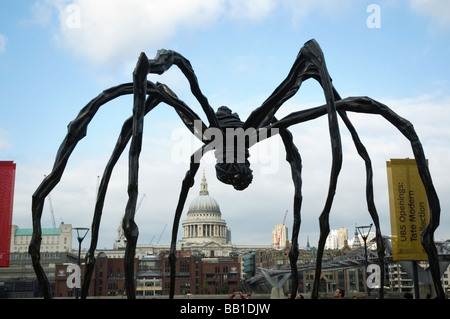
(7, 177)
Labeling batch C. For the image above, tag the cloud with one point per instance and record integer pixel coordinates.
(115, 32)
(437, 10)
(104, 32)
(253, 10)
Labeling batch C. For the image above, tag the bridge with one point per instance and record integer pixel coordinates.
(353, 259)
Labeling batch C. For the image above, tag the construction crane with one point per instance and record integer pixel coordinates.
(280, 230)
(161, 234)
(51, 209)
(98, 184)
(140, 202)
(151, 241)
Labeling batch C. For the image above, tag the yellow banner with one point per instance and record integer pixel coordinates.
(409, 209)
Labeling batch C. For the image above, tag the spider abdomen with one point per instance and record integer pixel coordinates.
(232, 165)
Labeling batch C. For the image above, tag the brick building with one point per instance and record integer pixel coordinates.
(220, 275)
(108, 278)
(187, 273)
(200, 275)
(194, 275)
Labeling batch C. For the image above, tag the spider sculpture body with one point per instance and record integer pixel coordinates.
(232, 165)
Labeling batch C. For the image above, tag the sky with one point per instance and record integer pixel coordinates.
(56, 55)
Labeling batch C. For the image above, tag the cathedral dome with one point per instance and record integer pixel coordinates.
(204, 223)
(204, 203)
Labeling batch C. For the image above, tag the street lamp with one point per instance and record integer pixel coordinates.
(364, 236)
(81, 233)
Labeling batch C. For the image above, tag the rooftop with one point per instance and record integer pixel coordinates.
(45, 231)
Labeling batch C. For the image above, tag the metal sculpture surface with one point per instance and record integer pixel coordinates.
(232, 165)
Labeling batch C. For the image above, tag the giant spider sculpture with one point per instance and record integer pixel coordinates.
(232, 165)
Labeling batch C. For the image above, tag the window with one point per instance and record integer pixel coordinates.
(184, 266)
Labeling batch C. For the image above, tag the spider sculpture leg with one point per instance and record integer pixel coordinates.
(187, 116)
(130, 228)
(310, 62)
(162, 62)
(122, 142)
(288, 89)
(369, 197)
(188, 182)
(165, 59)
(157, 93)
(370, 106)
(295, 161)
(76, 131)
(369, 192)
(406, 128)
